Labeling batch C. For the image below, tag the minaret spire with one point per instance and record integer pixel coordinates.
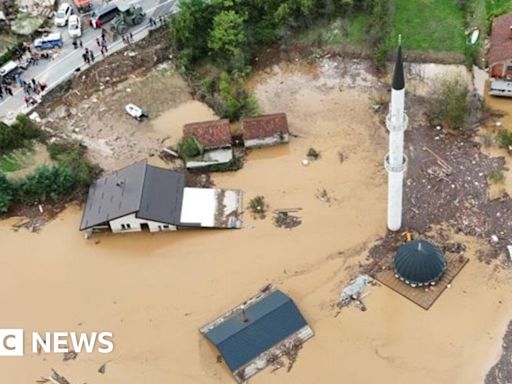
(398, 74)
(396, 161)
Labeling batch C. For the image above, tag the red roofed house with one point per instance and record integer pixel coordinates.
(215, 138)
(499, 56)
(265, 130)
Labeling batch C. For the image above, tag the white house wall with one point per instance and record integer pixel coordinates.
(267, 141)
(211, 157)
(133, 224)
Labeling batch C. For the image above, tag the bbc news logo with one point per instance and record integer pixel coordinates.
(12, 342)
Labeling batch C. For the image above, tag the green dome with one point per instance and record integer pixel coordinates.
(419, 263)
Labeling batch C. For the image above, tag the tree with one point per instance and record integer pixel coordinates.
(6, 193)
(228, 39)
(449, 102)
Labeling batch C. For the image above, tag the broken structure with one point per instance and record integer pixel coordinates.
(257, 332)
(143, 196)
(215, 139)
(265, 130)
(499, 57)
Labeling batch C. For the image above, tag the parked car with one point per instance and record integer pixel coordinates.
(53, 40)
(74, 26)
(8, 71)
(62, 15)
(103, 15)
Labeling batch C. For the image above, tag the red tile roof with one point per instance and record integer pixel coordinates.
(501, 43)
(264, 126)
(210, 134)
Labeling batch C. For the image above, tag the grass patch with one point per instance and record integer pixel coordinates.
(16, 160)
(429, 25)
(497, 176)
(338, 31)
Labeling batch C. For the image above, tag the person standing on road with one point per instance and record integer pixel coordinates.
(91, 55)
(98, 42)
(84, 56)
(9, 91)
(131, 38)
(81, 44)
(75, 45)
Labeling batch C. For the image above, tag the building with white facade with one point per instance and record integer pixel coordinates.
(141, 196)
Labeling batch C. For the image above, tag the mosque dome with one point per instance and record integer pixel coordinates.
(419, 263)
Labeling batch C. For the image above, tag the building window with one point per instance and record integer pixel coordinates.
(128, 226)
(166, 227)
(123, 226)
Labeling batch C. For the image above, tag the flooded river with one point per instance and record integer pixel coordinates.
(154, 291)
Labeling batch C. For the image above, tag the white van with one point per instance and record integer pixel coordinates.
(62, 15)
(74, 26)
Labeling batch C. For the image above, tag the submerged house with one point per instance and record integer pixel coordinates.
(215, 139)
(265, 130)
(419, 263)
(257, 332)
(499, 57)
(141, 196)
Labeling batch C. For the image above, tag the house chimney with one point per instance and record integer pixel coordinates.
(245, 319)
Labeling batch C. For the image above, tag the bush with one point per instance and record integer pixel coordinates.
(497, 176)
(257, 205)
(19, 134)
(189, 147)
(47, 183)
(6, 193)
(228, 97)
(504, 138)
(449, 102)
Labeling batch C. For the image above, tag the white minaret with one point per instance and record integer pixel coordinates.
(396, 161)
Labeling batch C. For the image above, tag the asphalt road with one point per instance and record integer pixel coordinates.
(67, 60)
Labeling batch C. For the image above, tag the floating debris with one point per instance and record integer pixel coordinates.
(284, 219)
(353, 292)
(71, 355)
(56, 378)
(102, 369)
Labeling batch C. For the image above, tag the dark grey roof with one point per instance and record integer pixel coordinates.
(270, 321)
(419, 262)
(398, 74)
(162, 195)
(151, 193)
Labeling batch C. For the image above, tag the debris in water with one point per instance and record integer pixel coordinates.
(323, 196)
(353, 291)
(102, 369)
(58, 379)
(305, 162)
(71, 355)
(284, 219)
(313, 154)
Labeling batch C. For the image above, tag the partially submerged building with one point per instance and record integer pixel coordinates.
(419, 263)
(215, 139)
(141, 196)
(499, 57)
(257, 332)
(265, 130)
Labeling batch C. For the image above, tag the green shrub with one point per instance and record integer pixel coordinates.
(6, 193)
(504, 138)
(19, 134)
(497, 176)
(233, 165)
(257, 205)
(47, 183)
(448, 103)
(189, 147)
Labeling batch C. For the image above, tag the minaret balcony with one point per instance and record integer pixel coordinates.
(395, 168)
(389, 126)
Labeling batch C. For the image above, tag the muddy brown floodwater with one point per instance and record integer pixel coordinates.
(154, 291)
